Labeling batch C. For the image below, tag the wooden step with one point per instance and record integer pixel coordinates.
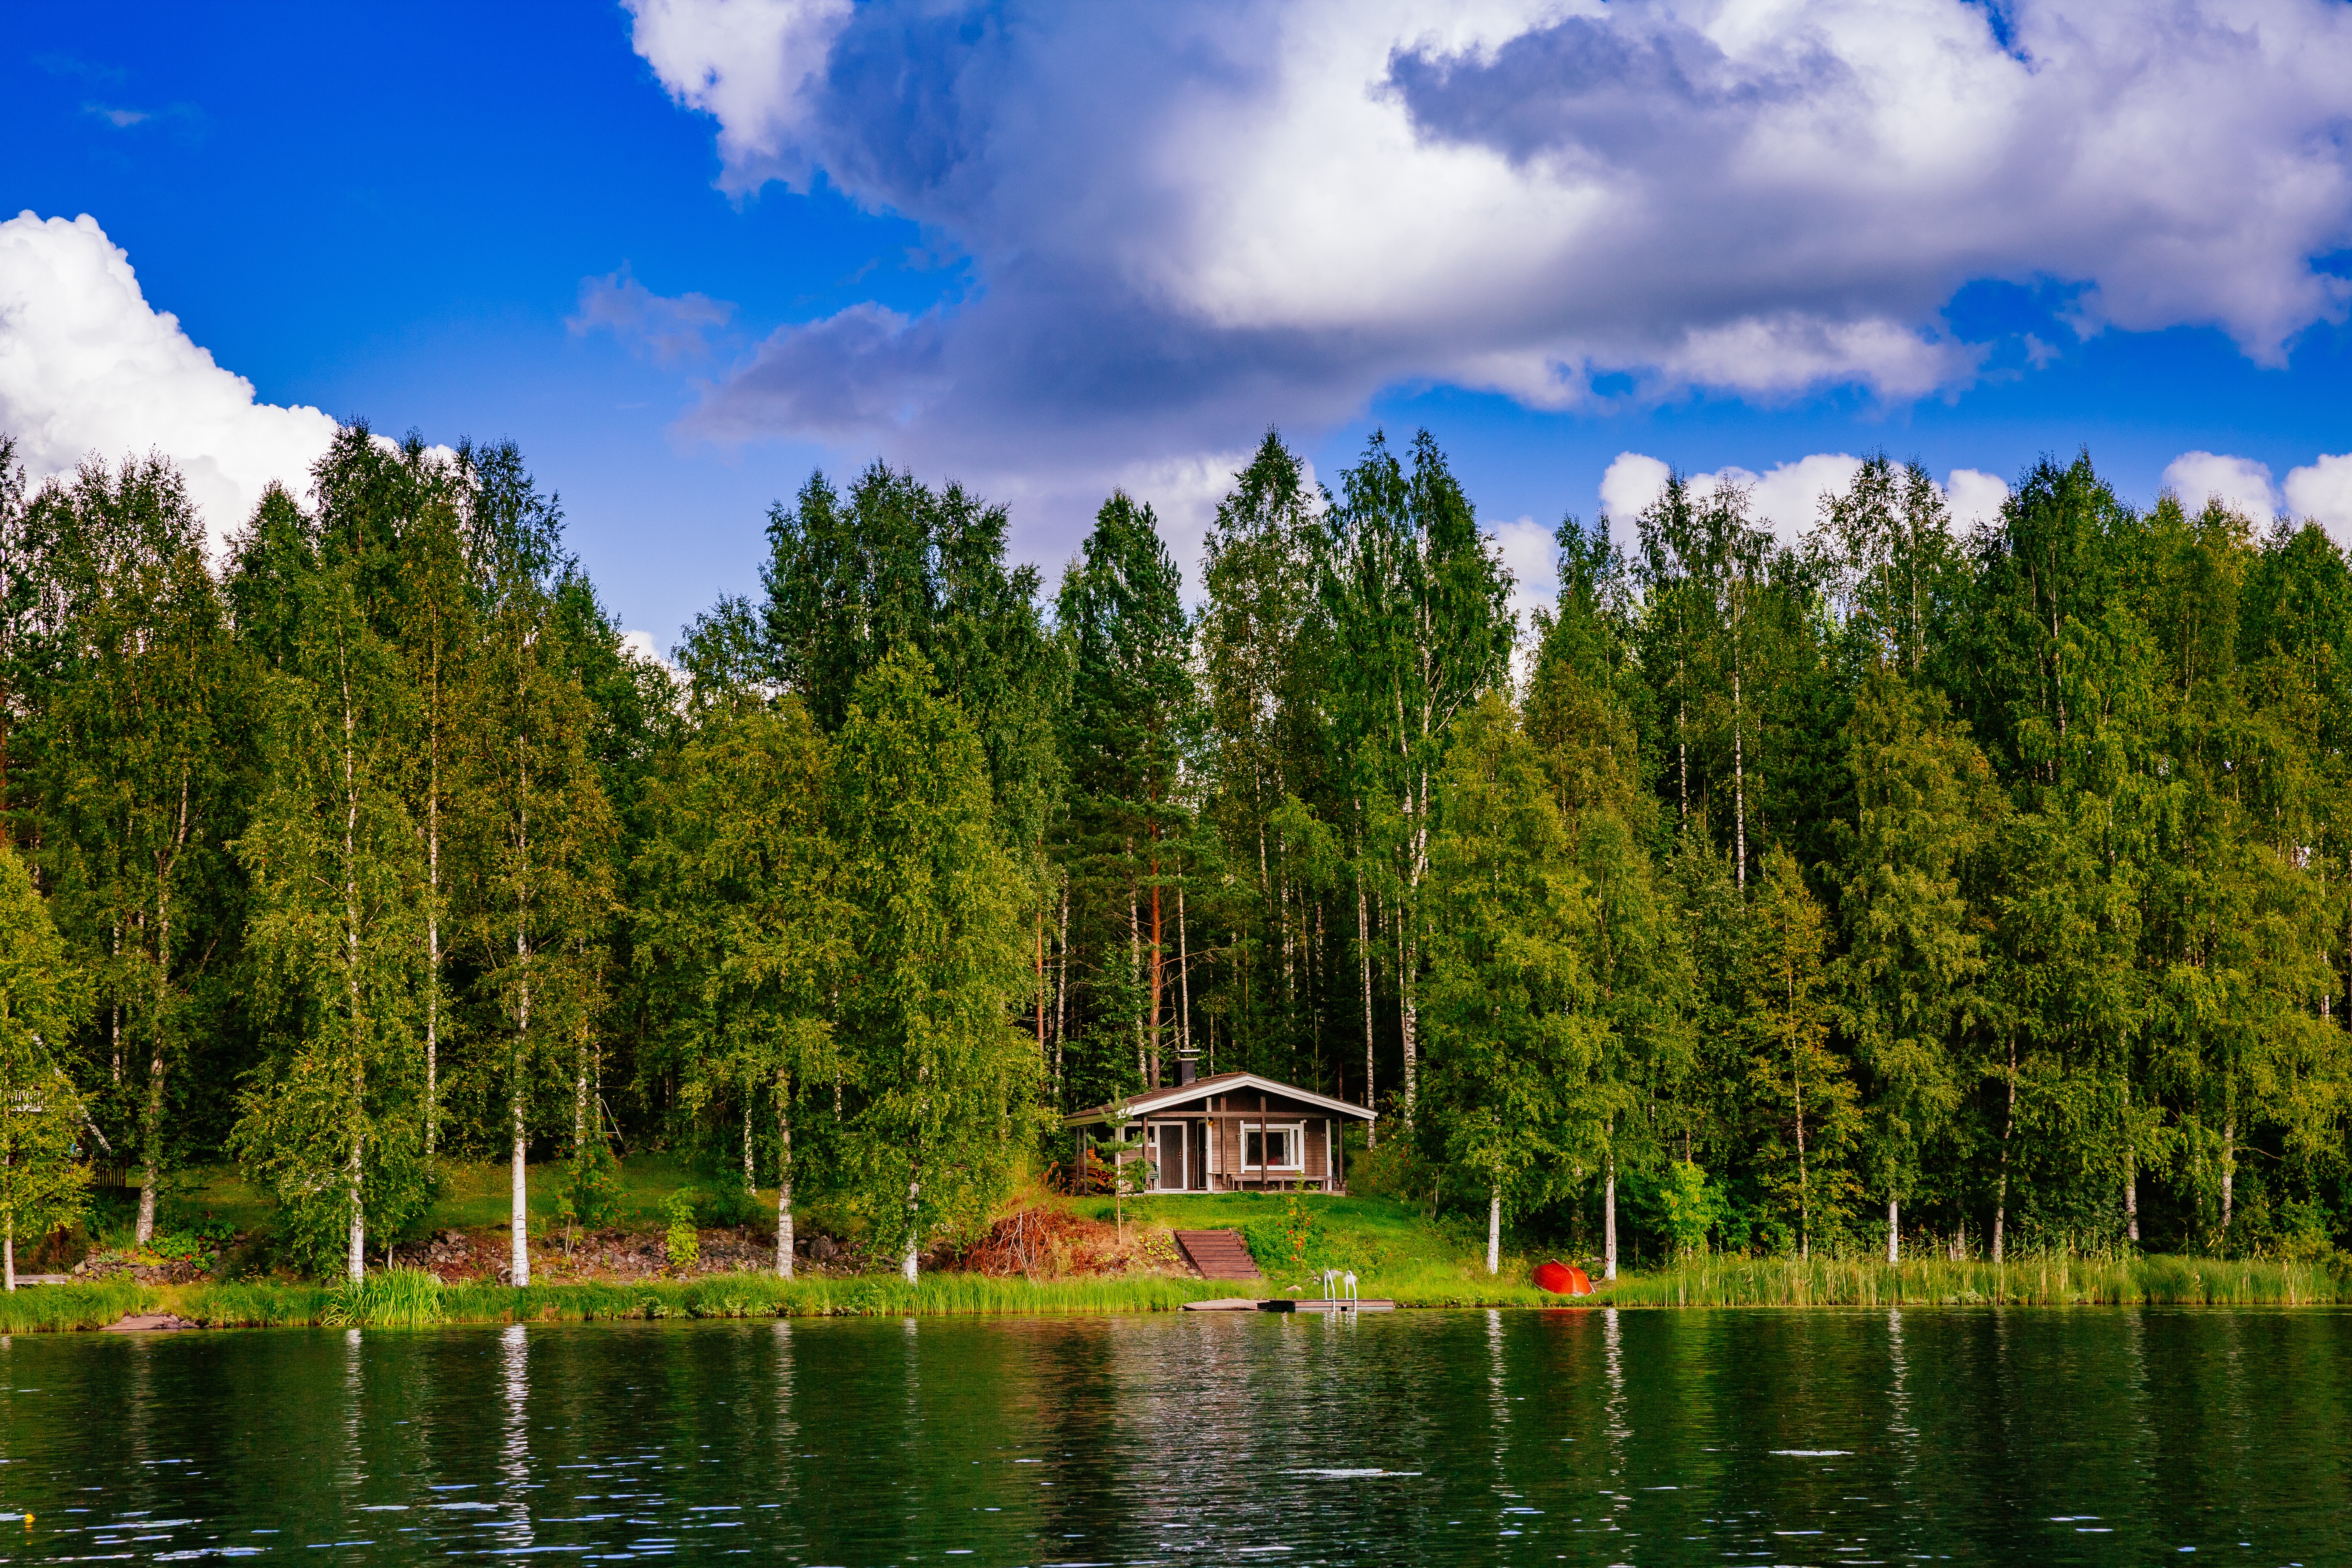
(1217, 1254)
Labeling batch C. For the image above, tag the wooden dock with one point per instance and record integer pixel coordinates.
(1314, 1304)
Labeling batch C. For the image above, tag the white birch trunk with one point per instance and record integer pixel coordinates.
(1494, 1229)
(1609, 1220)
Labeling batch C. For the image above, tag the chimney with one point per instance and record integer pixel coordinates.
(1185, 1072)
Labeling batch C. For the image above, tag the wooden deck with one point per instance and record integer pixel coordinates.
(1217, 1254)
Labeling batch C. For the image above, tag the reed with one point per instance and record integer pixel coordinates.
(402, 1297)
(2053, 1280)
(61, 1308)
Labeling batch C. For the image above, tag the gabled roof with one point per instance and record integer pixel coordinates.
(1173, 1095)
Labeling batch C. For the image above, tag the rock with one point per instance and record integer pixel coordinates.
(150, 1323)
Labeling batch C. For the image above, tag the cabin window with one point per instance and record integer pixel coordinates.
(1276, 1148)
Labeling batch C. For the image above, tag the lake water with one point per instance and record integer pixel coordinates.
(1973, 1435)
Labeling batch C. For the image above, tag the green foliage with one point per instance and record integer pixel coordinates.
(590, 1196)
(1690, 1208)
(935, 956)
(730, 1204)
(1997, 886)
(389, 1298)
(681, 1244)
(44, 1170)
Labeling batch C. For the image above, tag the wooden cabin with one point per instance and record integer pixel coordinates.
(1233, 1133)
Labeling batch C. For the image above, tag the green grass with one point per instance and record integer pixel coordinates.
(1396, 1253)
(2055, 1280)
(55, 1309)
(404, 1304)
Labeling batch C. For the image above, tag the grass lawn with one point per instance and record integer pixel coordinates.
(1395, 1252)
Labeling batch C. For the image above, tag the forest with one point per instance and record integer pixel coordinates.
(1900, 888)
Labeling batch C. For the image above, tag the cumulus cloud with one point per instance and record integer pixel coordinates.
(671, 328)
(1974, 497)
(2239, 484)
(1787, 498)
(88, 367)
(1181, 219)
(2322, 491)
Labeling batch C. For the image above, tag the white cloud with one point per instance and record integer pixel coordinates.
(2322, 491)
(641, 647)
(1974, 498)
(672, 329)
(1629, 483)
(1786, 498)
(87, 366)
(1181, 219)
(746, 63)
(2239, 484)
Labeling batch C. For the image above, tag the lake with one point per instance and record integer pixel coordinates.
(1827, 1437)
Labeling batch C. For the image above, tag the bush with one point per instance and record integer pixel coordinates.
(591, 1195)
(682, 1244)
(730, 1206)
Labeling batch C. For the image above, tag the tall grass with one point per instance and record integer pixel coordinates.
(402, 1298)
(57, 1309)
(2046, 1281)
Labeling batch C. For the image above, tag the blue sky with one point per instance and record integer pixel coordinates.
(683, 254)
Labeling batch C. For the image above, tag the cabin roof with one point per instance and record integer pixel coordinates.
(1167, 1098)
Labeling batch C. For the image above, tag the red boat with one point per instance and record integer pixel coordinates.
(1562, 1279)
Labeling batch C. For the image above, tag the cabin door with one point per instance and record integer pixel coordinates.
(1172, 1151)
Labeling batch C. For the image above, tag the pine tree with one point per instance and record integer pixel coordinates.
(1125, 730)
(1420, 631)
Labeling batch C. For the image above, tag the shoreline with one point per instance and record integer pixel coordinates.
(405, 1298)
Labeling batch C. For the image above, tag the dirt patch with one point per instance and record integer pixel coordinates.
(1054, 1244)
(454, 1257)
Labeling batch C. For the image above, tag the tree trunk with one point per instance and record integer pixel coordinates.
(2008, 1125)
(2131, 1209)
(784, 1177)
(2229, 1177)
(519, 1211)
(914, 1229)
(1158, 971)
(1609, 1219)
(1183, 981)
(1364, 965)
(8, 1251)
(433, 930)
(1894, 1231)
(145, 1231)
(1494, 1229)
(1061, 993)
(1409, 1013)
(1738, 774)
(355, 1265)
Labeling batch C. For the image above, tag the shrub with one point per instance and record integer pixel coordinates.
(730, 1204)
(683, 1245)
